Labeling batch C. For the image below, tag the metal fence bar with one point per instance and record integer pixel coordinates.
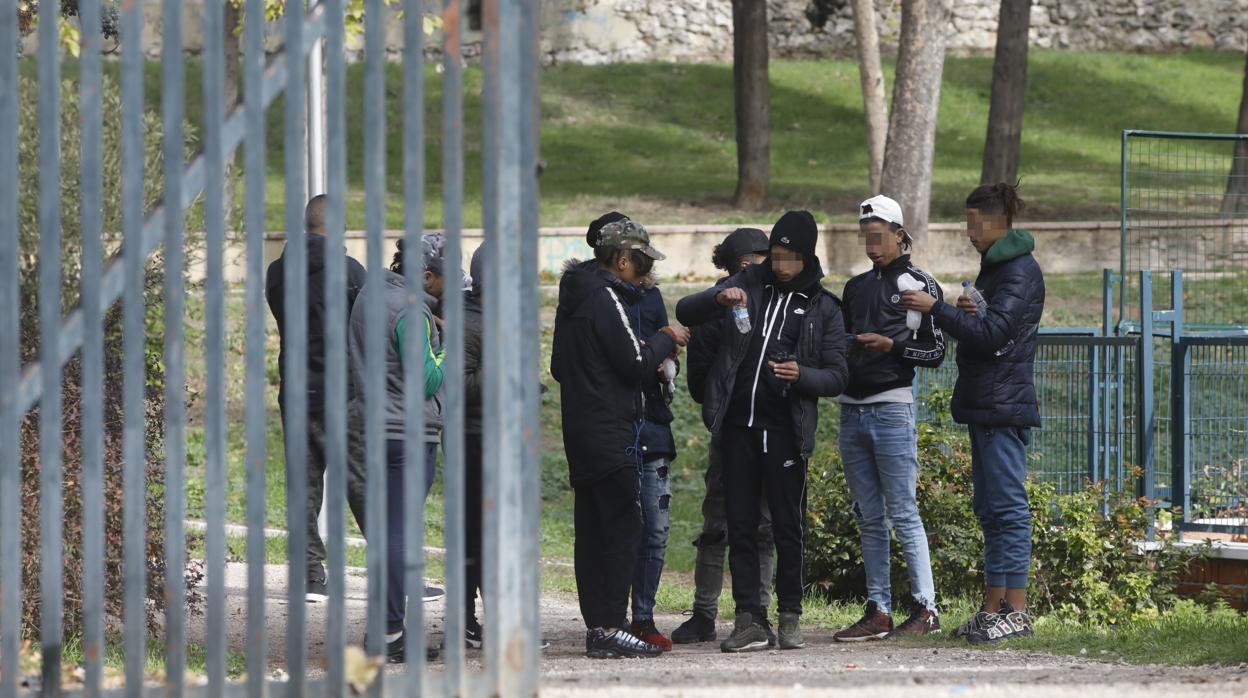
(114, 281)
(92, 425)
(10, 346)
(1180, 405)
(135, 316)
(453, 441)
(417, 334)
(214, 311)
(374, 389)
(336, 316)
(173, 98)
(295, 353)
(1147, 422)
(257, 381)
(51, 504)
(508, 368)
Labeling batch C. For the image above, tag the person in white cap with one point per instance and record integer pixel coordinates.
(878, 439)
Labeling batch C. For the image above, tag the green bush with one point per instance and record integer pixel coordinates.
(1084, 563)
(70, 264)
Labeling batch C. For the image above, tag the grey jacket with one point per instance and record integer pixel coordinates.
(393, 297)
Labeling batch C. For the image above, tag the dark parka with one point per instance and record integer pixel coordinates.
(996, 351)
(649, 314)
(601, 366)
(275, 294)
(872, 303)
(820, 351)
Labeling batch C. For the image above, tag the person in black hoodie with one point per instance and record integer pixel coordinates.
(740, 249)
(275, 294)
(602, 366)
(878, 438)
(761, 400)
(995, 396)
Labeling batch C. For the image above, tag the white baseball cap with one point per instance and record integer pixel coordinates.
(883, 208)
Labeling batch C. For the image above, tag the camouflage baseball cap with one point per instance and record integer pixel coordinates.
(628, 235)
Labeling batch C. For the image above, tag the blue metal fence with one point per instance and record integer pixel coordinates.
(511, 342)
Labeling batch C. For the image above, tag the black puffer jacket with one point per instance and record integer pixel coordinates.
(872, 303)
(648, 315)
(820, 351)
(601, 366)
(996, 352)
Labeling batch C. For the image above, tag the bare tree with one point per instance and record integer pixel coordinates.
(1009, 89)
(1235, 201)
(872, 77)
(907, 173)
(752, 101)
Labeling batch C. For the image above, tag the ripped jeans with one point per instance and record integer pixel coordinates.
(656, 514)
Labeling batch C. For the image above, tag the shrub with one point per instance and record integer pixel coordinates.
(71, 253)
(1084, 563)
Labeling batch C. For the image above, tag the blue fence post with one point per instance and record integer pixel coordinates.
(1180, 396)
(1146, 423)
(10, 309)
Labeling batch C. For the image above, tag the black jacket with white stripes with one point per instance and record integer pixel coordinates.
(872, 303)
(601, 366)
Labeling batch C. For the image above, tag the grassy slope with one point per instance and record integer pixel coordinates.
(657, 139)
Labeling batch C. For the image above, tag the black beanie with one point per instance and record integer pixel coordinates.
(797, 231)
(591, 235)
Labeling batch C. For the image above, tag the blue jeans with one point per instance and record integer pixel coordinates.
(999, 470)
(396, 562)
(879, 448)
(656, 514)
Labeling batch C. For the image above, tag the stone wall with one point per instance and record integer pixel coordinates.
(605, 31)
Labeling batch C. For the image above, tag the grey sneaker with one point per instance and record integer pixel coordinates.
(747, 635)
(791, 637)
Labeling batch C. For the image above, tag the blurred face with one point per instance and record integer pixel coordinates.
(750, 260)
(882, 244)
(984, 229)
(434, 284)
(786, 264)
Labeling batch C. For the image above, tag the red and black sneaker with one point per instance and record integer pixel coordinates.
(646, 632)
(922, 621)
(874, 625)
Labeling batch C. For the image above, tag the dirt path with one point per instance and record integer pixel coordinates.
(701, 671)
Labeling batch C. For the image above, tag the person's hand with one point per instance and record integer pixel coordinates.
(679, 334)
(730, 297)
(874, 342)
(921, 301)
(788, 371)
(966, 305)
(439, 322)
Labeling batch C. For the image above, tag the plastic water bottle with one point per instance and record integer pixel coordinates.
(976, 297)
(741, 315)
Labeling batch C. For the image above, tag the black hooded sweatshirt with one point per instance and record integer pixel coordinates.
(275, 294)
(601, 366)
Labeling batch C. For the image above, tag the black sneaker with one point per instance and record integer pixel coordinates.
(699, 628)
(748, 635)
(1006, 624)
(317, 591)
(618, 644)
(433, 593)
(473, 636)
(396, 650)
(977, 620)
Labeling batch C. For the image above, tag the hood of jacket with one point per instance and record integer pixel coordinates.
(1016, 243)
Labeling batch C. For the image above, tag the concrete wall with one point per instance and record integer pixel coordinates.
(1060, 248)
(605, 31)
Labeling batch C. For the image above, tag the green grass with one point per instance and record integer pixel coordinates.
(658, 139)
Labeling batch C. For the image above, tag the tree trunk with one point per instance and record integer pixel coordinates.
(1235, 202)
(872, 77)
(907, 173)
(1009, 90)
(752, 101)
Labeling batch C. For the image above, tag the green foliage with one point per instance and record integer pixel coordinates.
(1085, 564)
(70, 196)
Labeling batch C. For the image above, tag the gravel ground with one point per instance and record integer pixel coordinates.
(823, 668)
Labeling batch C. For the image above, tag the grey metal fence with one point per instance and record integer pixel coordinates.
(510, 339)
